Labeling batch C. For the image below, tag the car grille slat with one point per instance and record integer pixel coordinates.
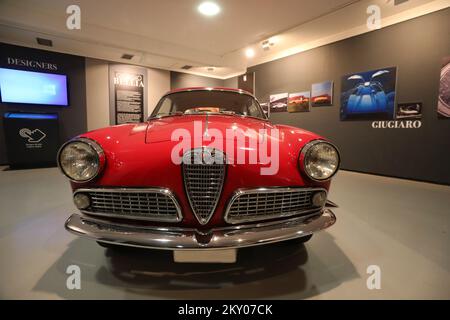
(141, 204)
(203, 182)
(266, 203)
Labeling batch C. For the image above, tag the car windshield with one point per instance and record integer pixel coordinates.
(208, 101)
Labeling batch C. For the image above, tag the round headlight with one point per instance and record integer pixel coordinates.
(320, 160)
(81, 160)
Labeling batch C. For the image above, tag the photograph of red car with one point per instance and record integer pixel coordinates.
(322, 94)
(299, 102)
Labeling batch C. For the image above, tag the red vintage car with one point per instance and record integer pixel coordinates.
(206, 174)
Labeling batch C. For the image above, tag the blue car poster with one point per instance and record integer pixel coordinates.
(369, 95)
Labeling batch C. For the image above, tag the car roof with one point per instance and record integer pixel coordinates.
(209, 89)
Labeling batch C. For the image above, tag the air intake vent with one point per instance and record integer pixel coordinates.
(204, 175)
(127, 56)
(270, 203)
(137, 204)
(186, 67)
(44, 42)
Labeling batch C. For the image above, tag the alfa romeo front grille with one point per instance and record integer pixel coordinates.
(141, 204)
(269, 203)
(203, 180)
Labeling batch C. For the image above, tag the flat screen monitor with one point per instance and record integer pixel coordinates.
(28, 87)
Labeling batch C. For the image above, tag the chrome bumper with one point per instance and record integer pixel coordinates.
(191, 239)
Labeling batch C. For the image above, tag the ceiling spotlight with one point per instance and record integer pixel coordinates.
(266, 44)
(250, 53)
(209, 8)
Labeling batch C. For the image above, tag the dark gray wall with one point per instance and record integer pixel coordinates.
(231, 82)
(72, 119)
(417, 48)
(186, 80)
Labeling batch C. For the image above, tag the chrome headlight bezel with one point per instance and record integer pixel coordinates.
(305, 153)
(97, 151)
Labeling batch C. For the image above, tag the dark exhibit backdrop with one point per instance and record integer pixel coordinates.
(72, 119)
(416, 47)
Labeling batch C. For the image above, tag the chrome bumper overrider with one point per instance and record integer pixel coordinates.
(191, 239)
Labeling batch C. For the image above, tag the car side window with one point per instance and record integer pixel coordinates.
(254, 110)
(166, 106)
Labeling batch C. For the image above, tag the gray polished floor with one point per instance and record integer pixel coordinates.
(400, 226)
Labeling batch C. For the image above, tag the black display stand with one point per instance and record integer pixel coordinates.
(32, 139)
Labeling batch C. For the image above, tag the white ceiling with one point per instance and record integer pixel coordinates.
(240, 23)
(171, 33)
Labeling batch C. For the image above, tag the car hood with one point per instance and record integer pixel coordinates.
(198, 126)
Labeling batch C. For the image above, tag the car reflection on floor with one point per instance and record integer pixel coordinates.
(155, 269)
(283, 270)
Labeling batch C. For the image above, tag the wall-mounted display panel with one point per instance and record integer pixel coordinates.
(278, 102)
(369, 95)
(411, 110)
(444, 90)
(127, 94)
(322, 94)
(29, 87)
(299, 102)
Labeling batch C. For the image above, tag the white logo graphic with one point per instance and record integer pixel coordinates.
(374, 19)
(374, 280)
(33, 136)
(241, 146)
(74, 20)
(74, 279)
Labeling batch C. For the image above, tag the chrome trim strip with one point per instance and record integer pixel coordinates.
(206, 133)
(101, 158)
(241, 192)
(331, 204)
(308, 146)
(167, 192)
(189, 239)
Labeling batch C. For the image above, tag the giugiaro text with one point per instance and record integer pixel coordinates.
(397, 124)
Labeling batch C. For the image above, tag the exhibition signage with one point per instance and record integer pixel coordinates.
(32, 139)
(21, 62)
(127, 96)
(397, 124)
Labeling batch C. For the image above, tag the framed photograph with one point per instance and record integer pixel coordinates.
(369, 95)
(299, 102)
(278, 102)
(443, 107)
(322, 94)
(412, 110)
